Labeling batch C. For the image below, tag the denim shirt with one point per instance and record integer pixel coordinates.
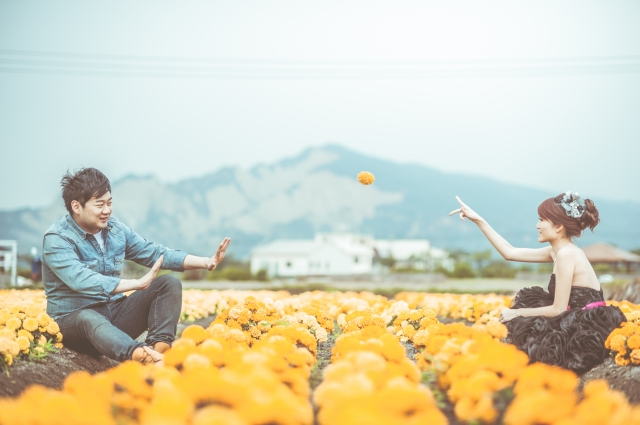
(78, 273)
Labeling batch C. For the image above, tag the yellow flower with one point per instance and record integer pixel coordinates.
(33, 310)
(195, 333)
(30, 324)
(27, 334)
(13, 323)
(635, 356)
(5, 314)
(53, 328)
(8, 333)
(196, 360)
(365, 177)
(8, 346)
(497, 329)
(217, 415)
(468, 409)
(23, 343)
(43, 320)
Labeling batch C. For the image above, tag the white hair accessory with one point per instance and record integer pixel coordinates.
(573, 205)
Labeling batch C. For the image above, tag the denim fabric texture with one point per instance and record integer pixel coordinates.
(77, 273)
(110, 328)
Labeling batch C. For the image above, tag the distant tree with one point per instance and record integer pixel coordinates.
(525, 268)
(462, 269)
(458, 255)
(499, 268)
(545, 268)
(262, 275)
(194, 275)
(602, 268)
(636, 251)
(236, 273)
(388, 261)
(480, 258)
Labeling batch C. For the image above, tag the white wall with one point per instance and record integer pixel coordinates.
(402, 249)
(280, 264)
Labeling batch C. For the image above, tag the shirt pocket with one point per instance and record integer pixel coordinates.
(118, 262)
(91, 264)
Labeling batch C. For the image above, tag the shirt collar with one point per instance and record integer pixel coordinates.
(79, 230)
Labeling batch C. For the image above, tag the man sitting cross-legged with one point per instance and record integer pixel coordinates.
(83, 255)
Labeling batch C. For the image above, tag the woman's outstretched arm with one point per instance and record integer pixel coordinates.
(508, 252)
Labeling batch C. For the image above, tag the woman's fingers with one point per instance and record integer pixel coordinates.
(455, 211)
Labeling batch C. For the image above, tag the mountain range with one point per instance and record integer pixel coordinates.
(317, 191)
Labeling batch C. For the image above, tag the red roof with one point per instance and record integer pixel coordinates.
(604, 253)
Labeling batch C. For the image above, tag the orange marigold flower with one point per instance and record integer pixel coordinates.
(617, 343)
(633, 342)
(365, 177)
(195, 333)
(635, 356)
(621, 360)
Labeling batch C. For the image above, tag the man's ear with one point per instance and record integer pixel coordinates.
(76, 207)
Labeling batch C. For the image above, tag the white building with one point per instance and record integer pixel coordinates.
(402, 249)
(413, 253)
(329, 254)
(340, 254)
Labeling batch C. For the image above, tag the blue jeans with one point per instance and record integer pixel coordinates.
(110, 328)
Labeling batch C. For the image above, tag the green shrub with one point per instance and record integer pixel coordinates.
(462, 270)
(262, 275)
(235, 273)
(499, 268)
(602, 268)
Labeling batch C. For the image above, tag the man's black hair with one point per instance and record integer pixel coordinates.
(83, 185)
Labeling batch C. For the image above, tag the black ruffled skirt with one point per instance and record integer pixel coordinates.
(572, 340)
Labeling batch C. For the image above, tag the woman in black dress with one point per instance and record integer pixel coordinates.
(568, 325)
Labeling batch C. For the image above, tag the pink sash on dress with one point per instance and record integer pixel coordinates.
(592, 305)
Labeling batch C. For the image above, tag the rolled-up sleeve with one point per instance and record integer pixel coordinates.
(61, 257)
(146, 253)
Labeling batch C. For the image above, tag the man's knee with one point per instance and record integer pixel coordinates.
(90, 317)
(168, 283)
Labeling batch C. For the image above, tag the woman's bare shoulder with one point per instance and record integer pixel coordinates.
(570, 252)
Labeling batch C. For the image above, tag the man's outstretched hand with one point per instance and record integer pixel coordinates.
(212, 262)
(145, 281)
(126, 285)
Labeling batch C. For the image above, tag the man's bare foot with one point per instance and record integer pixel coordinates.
(161, 347)
(147, 355)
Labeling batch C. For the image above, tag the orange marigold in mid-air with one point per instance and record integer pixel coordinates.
(365, 177)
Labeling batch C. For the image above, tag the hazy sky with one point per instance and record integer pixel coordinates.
(540, 93)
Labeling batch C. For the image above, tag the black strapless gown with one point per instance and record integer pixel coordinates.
(573, 339)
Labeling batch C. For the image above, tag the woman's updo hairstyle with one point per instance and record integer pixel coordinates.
(551, 209)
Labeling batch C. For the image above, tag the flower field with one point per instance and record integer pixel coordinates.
(392, 361)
